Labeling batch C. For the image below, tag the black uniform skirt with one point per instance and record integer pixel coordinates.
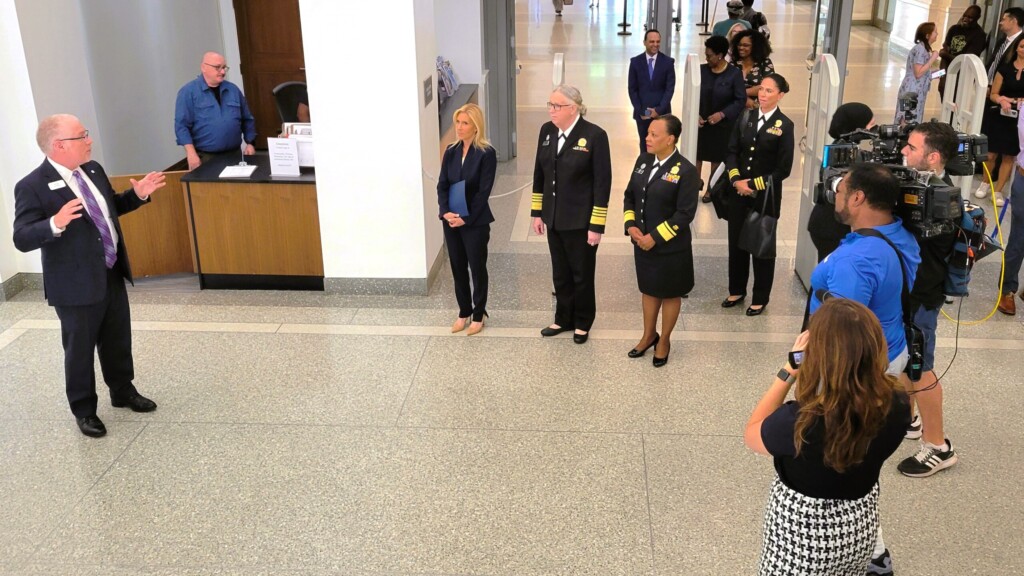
(817, 536)
(1001, 131)
(713, 141)
(664, 275)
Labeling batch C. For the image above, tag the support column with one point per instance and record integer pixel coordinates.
(373, 91)
(20, 156)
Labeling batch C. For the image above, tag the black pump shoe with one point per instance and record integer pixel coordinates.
(636, 353)
(659, 362)
(727, 303)
(580, 338)
(752, 312)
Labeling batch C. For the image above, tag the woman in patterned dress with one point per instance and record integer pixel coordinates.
(750, 53)
(918, 77)
(829, 444)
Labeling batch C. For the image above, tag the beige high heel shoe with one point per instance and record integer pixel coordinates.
(460, 324)
(475, 327)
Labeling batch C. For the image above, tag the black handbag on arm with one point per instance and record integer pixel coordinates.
(758, 233)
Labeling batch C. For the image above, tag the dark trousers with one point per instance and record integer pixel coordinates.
(573, 263)
(740, 264)
(103, 328)
(467, 253)
(641, 129)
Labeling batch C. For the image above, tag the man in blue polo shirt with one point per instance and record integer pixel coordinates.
(211, 115)
(867, 269)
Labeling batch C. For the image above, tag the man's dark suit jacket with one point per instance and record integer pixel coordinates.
(571, 189)
(478, 171)
(646, 92)
(74, 270)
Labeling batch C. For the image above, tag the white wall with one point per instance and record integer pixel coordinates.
(55, 47)
(457, 24)
(20, 154)
(378, 213)
(141, 53)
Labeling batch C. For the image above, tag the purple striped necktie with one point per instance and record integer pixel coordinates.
(92, 208)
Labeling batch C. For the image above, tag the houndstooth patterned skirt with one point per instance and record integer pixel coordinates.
(817, 536)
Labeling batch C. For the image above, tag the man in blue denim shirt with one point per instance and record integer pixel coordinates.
(211, 115)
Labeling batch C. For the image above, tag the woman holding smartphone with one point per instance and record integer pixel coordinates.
(918, 77)
(829, 445)
(472, 161)
(1000, 121)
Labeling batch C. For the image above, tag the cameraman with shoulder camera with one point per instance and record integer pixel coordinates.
(866, 269)
(930, 146)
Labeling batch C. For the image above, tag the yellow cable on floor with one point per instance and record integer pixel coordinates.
(1002, 258)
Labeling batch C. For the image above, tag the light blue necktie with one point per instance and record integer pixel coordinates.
(650, 67)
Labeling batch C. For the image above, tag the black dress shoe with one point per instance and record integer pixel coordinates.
(137, 403)
(659, 362)
(730, 303)
(636, 353)
(91, 426)
(752, 312)
(549, 331)
(580, 338)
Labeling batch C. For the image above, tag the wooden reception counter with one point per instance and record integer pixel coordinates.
(261, 232)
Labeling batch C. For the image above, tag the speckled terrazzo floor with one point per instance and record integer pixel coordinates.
(304, 433)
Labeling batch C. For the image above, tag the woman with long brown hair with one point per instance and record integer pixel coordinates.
(829, 445)
(918, 77)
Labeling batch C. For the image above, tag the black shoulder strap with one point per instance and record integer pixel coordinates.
(905, 291)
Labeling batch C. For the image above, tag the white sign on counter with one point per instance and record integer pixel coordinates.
(284, 156)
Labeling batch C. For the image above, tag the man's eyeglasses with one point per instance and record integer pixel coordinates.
(221, 68)
(557, 107)
(82, 137)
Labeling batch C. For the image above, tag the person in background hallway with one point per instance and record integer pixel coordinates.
(733, 8)
(651, 83)
(1014, 254)
(470, 159)
(572, 180)
(67, 208)
(1009, 32)
(558, 7)
(659, 204)
(828, 444)
(211, 115)
(757, 20)
(750, 52)
(918, 76)
(964, 37)
(1006, 92)
(825, 229)
(722, 98)
(760, 158)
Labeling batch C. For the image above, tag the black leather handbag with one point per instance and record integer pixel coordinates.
(758, 233)
(720, 197)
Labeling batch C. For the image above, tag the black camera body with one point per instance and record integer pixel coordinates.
(927, 209)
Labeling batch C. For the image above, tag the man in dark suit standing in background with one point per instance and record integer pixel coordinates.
(67, 208)
(652, 81)
(572, 180)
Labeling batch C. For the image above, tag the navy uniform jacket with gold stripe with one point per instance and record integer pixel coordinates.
(765, 156)
(571, 189)
(664, 207)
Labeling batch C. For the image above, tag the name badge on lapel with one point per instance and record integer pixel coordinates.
(547, 140)
(57, 184)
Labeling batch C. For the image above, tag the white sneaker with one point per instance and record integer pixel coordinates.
(982, 190)
(1000, 201)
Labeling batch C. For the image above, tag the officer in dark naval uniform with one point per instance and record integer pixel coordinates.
(572, 179)
(760, 158)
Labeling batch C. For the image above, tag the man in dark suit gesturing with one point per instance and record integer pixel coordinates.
(572, 180)
(652, 81)
(67, 208)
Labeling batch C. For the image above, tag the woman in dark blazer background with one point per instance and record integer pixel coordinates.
(760, 158)
(658, 206)
(471, 159)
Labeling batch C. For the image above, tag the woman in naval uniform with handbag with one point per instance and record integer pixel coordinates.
(658, 206)
(760, 158)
